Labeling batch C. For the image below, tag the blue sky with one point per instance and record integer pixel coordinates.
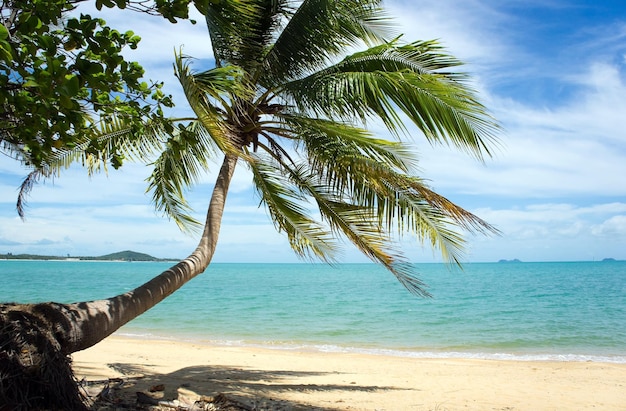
(552, 72)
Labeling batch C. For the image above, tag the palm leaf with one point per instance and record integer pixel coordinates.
(360, 225)
(241, 32)
(387, 80)
(183, 161)
(229, 23)
(306, 237)
(25, 189)
(328, 138)
(210, 95)
(379, 183)
(318, 31)
(112, 137)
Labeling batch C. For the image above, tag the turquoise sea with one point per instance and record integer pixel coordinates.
(573, 311)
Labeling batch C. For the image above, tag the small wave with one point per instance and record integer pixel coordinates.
(617, 359)
(425, 354)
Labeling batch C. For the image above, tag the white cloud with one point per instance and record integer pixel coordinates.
(614, 227)
(464, 28)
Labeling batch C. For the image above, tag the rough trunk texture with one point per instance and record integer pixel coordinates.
(35, 374)
(37, 339)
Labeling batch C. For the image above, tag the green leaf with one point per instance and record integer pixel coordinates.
(71, 87)
(66, 102)
(5, 51)
(4, 33)
(30, 83)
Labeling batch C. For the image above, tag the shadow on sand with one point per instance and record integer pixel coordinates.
(250, 388)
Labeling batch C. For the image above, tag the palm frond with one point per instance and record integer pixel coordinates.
(388, 80)
(241, 31)
(320, 30)
(25, 189)
(421, 57)
(402, 203)
(330, 138)
(307, 238)
(415, 189)
(185, 158)
(360, 225)
(111, 136)
(206, 92)
(414, 214)
(368, 175)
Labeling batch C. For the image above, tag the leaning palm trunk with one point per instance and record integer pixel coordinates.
(36, 339)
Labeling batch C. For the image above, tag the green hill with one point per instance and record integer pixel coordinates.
(119, 256)
(127, 256)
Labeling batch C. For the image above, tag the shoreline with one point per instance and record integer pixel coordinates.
(466, 353)
(304, 379)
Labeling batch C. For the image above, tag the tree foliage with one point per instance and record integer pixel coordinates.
(63, 77)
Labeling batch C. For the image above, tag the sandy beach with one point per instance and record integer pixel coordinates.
(305, 380)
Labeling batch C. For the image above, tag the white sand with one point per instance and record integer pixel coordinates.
(338, 381)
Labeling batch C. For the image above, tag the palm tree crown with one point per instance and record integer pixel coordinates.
(288, 99)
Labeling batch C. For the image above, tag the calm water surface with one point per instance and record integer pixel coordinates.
(565, 311)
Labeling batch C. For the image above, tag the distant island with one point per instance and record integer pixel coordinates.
(119, 256)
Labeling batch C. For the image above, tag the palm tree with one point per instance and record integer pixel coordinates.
(288, 100)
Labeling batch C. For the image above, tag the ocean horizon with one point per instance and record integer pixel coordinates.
(559, 311)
